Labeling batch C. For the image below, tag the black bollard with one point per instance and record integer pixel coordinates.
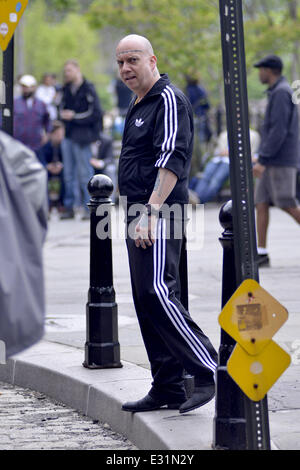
(102, 349)
(229, 420)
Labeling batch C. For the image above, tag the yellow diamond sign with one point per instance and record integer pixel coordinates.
(255, 375)
(10, 14)
(252, 316)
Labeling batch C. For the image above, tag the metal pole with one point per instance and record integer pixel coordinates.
(241, 179)
(102, 349)
(8, 79)
(229, 422)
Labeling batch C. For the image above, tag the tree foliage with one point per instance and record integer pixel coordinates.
(186, 34)
(50, 41)
(62, 5)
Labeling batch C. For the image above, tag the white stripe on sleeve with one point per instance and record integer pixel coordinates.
(170, 127)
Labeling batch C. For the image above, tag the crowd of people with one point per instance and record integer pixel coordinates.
(63, 125)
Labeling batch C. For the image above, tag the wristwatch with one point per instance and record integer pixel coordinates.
(150, 210)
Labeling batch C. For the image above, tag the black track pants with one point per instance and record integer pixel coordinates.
(173, 341)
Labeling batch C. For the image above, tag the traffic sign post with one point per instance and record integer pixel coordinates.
(256, 375)
(11, 12)
(252, 317)
(257, 434)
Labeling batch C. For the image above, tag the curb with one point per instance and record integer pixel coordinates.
(56, 370)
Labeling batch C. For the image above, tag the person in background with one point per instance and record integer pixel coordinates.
(31, 118)
(200, 104)
(278, 154)
(46, 92)
(81, 113)
(50, 156)
(216, 170)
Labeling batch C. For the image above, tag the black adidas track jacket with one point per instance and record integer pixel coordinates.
(158, 133)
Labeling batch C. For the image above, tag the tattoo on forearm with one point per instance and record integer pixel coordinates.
(159, 184)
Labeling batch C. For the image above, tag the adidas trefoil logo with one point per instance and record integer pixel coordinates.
(139, 122)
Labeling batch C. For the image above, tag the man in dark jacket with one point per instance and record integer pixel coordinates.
(81, 113)
(153, 174)
(276, 168)
(200, 103)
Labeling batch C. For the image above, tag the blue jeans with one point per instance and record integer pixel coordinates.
(214, 176)
(77, 171)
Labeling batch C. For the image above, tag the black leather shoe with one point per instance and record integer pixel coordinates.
(200, 397)
(148, 404)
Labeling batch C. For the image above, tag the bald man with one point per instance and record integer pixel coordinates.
(153, 176)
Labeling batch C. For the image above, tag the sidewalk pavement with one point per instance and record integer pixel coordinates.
(54, 365)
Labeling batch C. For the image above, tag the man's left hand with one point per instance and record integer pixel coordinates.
(145, 231)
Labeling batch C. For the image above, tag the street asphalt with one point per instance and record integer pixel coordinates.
(54, 365)
(32, 421)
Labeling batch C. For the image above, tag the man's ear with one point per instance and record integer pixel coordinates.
(153, 61)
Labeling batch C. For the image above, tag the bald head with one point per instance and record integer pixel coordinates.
(134, 43)
(137, 64)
